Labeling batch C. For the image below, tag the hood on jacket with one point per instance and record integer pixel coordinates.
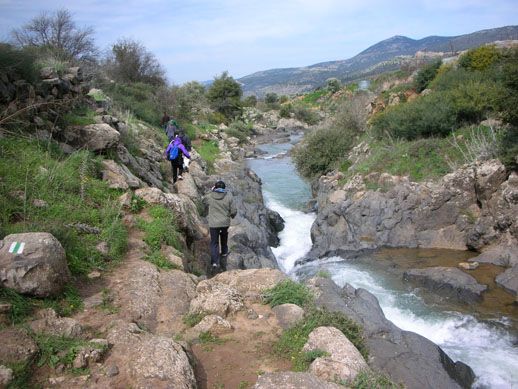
(218, 195)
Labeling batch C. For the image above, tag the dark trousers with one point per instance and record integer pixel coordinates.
(177, 169)
(218, 235)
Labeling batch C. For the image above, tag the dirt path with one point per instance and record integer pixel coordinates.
(229, 361)
(238, 358)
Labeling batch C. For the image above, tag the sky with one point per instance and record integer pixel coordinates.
(199, 39)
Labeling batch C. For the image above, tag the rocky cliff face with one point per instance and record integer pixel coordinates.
(476, 207)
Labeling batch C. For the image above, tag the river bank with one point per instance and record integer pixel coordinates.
(480, 335)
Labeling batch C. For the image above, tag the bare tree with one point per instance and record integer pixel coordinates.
(58, 32)
(129, 61)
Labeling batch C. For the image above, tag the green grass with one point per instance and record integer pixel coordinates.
(288, 292)
(371, 380)
(22, 307)
(191, 319)
(159, 260)
(56, 350)
(209, 151)
(313, 97)
(306, 358)
(22, 373)
(161, 229)
(423, 159)
(32, 170)
(80, 116)
(293, 340)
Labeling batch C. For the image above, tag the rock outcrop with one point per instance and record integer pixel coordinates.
(476, 207)
(406, 357)
(448, 282)
(33, 264)
(293, 380)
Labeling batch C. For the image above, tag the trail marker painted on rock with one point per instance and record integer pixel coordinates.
(16, 247)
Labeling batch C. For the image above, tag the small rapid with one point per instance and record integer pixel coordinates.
(487, 345)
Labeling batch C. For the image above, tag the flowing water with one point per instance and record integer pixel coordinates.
(483, 336)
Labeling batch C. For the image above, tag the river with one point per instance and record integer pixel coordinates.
(484, 336)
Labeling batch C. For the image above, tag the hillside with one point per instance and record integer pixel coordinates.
(374, 60)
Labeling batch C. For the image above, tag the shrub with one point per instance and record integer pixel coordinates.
(18, 62)
(250, 101)
(288, 292)
(508, 148)
(480, 58)
(239, 130)
(426, 75)
(271, 98)
(306, 115)
(320, 151)
(286, 111)
(372, 380)
(138, 98)
(159, 260)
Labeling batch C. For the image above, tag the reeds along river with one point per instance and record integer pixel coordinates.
(483, 336)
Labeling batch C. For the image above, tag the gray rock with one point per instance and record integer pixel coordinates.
(216, 298)
(449, 282)
(36, 266)
(94, 137)
(509, 279)
(344, 361)
(50, 323)
(288, 314)
(404, 356)
(474, 207)
(112, 371)
(119, 176)
(214, 324)
(17, 346)
(292, 380)
(6, 376)
(145, 360)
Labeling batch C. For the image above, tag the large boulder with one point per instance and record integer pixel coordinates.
(17, 347)
(119, 176)
(216, 298)
(293, 380)
(404, 356)
(509, 279)
(449, 282)
(344, 361)
(33, 263)
(250, 280)
(145, 360)
(94, 137)
(288, 315)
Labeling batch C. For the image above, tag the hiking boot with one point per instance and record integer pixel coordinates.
(214, 265)
(224, 255)
(180, 177)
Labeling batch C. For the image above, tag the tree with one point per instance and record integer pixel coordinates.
(59, 34)
(129, 61)
(271, 98)
(188, 99)
(250, 101)
(333, 85)
(224, 95)
(426, 75)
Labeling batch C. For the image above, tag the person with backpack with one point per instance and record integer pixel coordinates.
(171, 129)
(174, 153)
(221, 210)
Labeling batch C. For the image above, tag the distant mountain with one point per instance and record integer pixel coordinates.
(383, 56)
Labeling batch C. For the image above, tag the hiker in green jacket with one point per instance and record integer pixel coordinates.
(221, 210)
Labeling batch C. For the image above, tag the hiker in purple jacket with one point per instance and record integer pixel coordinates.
(177, 163)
